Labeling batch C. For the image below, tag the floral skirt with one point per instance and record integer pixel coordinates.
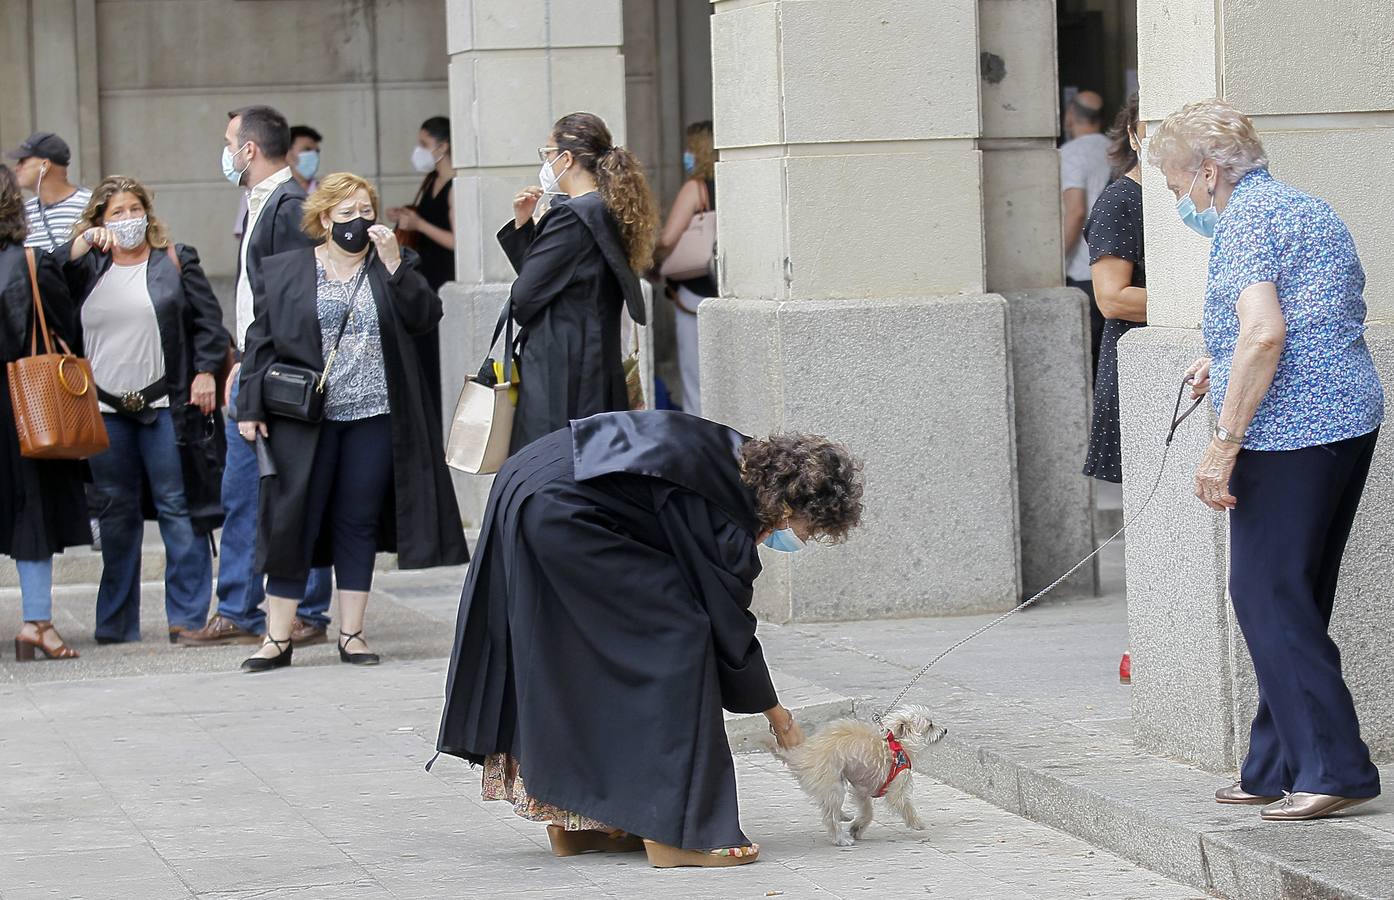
(503, 781)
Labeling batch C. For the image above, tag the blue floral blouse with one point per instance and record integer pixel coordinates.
(1326, 388)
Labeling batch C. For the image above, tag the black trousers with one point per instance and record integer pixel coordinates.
(1096, 322)
(1287, 535)
(351, 476)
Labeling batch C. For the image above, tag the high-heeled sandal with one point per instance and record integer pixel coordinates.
(663, 856)
(571, 843)
(267, 663)
(355, 659)
(25, 647)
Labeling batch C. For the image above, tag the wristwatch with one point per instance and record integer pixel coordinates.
(1224, 434)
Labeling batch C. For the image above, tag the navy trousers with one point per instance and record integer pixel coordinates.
(1287, 535)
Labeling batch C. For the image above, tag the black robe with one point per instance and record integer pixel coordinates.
(573, 279)
(419, 519)
(42, 507)
(606, 621)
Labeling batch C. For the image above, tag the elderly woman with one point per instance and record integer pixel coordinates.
(153, 331)
(42, 510)
(1299, 409)
(366, 472)
(606, 622)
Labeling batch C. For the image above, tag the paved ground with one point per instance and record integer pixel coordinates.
(151, 771)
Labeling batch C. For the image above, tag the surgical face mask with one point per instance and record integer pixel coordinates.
(689, 162)
(423, 160)
(129, 233)
(1201, 222)
(230, 170)
(352, 235)
(548, 179)
(785, 541)
(307, 164)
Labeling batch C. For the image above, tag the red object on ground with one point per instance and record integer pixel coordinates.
(1125, 669)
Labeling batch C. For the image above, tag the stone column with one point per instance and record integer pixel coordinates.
(1193, 687)
(865, 212)
(516, 66)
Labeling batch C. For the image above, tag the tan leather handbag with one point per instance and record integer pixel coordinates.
(481, 431)
(692, 257)
(55, 403)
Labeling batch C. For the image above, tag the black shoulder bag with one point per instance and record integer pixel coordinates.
(297, 392)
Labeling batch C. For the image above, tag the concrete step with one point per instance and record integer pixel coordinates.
(810, 705)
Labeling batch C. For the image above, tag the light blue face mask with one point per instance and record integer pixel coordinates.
(1203, 222)
(785, 541)
(307, 164)
(689, 162)
(230, 170)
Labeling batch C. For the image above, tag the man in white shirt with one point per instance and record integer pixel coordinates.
(42, 169)
(257, 140)
(1084, 173)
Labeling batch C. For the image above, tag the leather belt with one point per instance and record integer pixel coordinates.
(136, 404)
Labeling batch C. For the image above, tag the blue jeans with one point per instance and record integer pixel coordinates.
(137, 448)
(36, 588)
(240, 587)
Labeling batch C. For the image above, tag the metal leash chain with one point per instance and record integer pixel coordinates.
(1177, 417)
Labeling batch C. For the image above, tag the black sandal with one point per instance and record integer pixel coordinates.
(356, 659)
(267, 663)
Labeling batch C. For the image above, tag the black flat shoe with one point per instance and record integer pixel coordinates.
(356, 659)
(267, 663)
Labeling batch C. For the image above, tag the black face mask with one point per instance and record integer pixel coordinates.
(352, 236)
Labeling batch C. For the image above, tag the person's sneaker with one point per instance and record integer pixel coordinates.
(219, 630)
(308, 633)
(1125, 669)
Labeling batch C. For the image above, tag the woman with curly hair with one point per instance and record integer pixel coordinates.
(576, 270)
(606, 623)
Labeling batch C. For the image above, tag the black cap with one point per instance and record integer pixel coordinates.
(44, 145)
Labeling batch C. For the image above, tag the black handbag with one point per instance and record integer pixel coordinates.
(297, 392)
(202, 447)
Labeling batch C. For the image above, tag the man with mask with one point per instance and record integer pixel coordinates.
(303, 159)
(42, 169)
(257, 141)
(1084, 173)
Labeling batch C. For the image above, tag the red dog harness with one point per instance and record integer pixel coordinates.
(900, 762)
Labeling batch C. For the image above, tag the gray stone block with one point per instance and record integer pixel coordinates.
(1193, 688)
(920, 389)
(1052, 398)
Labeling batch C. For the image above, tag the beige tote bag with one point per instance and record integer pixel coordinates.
(693, 255)
(481, 430)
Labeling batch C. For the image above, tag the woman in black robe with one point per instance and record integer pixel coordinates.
(42, 510)
(575, 273)
(606, 622)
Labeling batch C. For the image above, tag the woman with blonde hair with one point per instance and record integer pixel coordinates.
(364, 472)
(1300, 406)
(698, 195)
(576, 271)
(153, 332)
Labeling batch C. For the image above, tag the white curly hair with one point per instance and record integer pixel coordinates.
(1207, 130)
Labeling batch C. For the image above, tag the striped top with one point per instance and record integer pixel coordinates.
(54, 227)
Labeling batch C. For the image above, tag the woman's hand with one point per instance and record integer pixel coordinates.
(407, 218)
(524, 204)
(100, 238)
(1213, 474)
(203, 393)
(386, 241)
(251, 428)
(786, 731)
(1199, 377)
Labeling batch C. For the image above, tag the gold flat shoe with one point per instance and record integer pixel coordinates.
(1237, 796)
(1303, 807)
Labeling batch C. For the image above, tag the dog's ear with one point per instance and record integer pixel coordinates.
(899, 727)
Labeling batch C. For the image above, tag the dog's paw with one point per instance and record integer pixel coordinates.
(844, 816)
(857, 830)
(918, 825)
(843, 840)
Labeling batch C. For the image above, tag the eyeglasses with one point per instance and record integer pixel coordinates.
(543, 151)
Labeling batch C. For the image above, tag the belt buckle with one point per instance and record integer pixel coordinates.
(132, 401)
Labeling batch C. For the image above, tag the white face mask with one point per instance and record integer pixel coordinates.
(548, 180)
(423, 160)
(129, 233)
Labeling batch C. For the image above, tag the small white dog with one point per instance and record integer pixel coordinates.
(852, 756)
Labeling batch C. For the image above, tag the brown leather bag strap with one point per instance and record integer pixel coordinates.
(40, 322)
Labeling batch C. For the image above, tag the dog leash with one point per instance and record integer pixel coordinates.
(1177, 417)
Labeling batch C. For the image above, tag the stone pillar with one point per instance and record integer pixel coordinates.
(861, 226)
(516, 66)
(1193, 687)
